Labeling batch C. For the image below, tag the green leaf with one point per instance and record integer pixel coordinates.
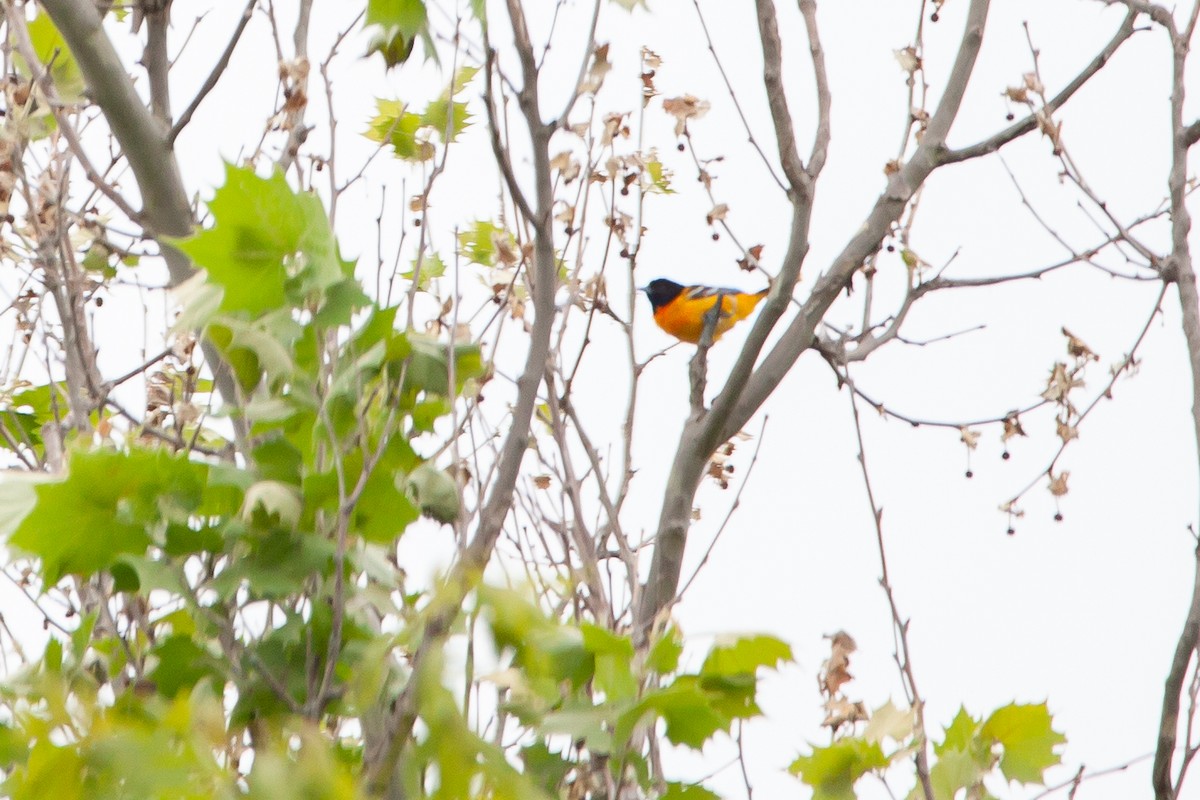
(125, 577)
(17, 498)
(962, 734)
(104, 507)
(83, 634)
(428, 412)
(395, 47)
(687, 791)
(181, 665)
(688, 712)
(586, 723)
(428, 368)
(258, 223)
(955, 770)
(265, 237)
(53, 657)
(630, 5)
(406, 16)
(477, 244)
(393, 124)
(342, 299)
(384, 508)
(1028, 738)
(23, 428)
(447, 118)
(14, 747)
(664, 653)
(435, 492)
(395, 26)
(52, 49)
(614, 662)
(832, 771)
(462, 77)
(547, 769)
(432, 267)
(660, 177)
(279, 501)
(745, 655)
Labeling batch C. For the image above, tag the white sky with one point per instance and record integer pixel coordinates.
(1084, 613)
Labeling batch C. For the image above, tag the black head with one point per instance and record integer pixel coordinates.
(662, 291)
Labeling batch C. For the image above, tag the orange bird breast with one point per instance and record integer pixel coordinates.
(684, 316)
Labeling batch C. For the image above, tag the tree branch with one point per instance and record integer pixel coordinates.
(142, 137)
(155, 57)
(748, 386)
(446, 604)
(217, 71)
(144, 143)
(1029, 123)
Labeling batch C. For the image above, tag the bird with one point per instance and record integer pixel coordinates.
(682, 310)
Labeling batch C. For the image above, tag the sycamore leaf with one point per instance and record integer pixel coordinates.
(969, 437)
(687, 791)
(1012, 427)
(265, 236)
(435, 492)
(406, 16)
(956, 770)
(908, 59)
(690, 717)
(683, 109)
(1058, 483)
(663, 657)
(659, 177)
(394, 124)
(962, 732)
(447, 118)
(745, 654)
(106, 506)
(1060, 383)
(51, 49)
(432, 267)
(394, 26)
(1028, 738)
(889, 721)
(832, 771)
(1077, 348)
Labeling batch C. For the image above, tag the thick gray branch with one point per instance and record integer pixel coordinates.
(144, 143)
(1179, 265)
(143, 138)
(746, 390)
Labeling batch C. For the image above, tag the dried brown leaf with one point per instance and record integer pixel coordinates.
(683, 109)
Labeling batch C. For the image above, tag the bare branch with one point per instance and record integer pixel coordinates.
(217, 71)
(1185, 648)
(785, 135)
(899, 624)
(141, 136)
(155, 57)
(446, 603)
(1029, 123)
(749, 386)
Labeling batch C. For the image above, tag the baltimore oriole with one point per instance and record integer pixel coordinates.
(680, 310)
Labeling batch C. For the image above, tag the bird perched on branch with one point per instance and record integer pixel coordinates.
(682, 310)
